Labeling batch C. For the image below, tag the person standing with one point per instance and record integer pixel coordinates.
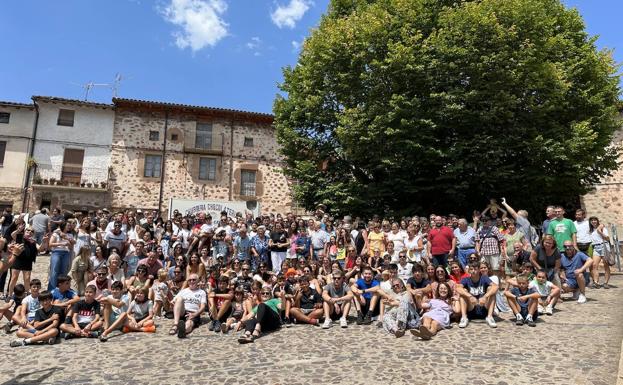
(583, 228)
(562, 229)
(441, 243)
(465, 242)
(41, 224)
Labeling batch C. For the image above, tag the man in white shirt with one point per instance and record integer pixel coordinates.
(583, 234)
(188, 306)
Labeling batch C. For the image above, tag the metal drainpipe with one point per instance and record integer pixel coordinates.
(164, 153)
(31, 152)
(231, 160)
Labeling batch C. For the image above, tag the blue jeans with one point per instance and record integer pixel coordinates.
(59, 264)
(463, 256)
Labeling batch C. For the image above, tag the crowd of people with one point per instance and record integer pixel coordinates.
(126, 271)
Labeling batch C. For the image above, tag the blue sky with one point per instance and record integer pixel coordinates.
(220, 53)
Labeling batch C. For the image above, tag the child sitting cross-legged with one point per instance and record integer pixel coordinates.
(10, 309)
(523, 300)
(548, 292)
(44, 328)
(140, 314)
(85, 321)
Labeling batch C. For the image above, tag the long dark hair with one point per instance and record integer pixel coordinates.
(590, 223)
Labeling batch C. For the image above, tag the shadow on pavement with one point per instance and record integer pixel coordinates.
(32, 378)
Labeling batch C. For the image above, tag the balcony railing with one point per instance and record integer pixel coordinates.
(202, 145)
(71, 176)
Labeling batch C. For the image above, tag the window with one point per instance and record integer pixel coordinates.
(154, 135)
(65, 118)
(248, 142)
(207, 168)
(2, 151)
(174, 137)
(153, 165)
(247, 179)
(72, 165)
(203, 139)
(4, 117)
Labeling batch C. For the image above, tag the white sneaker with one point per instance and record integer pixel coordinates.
(464, 322)
(327, 323)
(581, 298)
(491, 322)
(343, 322)
(549, 310)
(576, 295)
(541, 309)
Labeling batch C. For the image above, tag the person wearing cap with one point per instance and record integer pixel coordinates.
(490, 244)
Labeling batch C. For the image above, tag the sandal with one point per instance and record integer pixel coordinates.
(173, 330)
(606, 286)
(245, 339)
(425, 333)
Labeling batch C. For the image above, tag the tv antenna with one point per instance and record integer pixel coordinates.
(90, 85)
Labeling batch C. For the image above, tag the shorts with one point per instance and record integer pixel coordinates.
(493, 260)
(82, 325)
(196, 320)
(307, 311)
(366, 308)
(524, 313)
(572, 283)
(478, 312)
(599, 249)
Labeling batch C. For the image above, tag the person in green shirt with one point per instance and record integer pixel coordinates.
(266, 318)
(562, 229)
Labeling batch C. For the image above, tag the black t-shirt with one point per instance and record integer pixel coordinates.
(42, 315)
(8, 219)
(547, 262)
(279, 237)
(287, 288)
(310, 299)
(149, 228)
(245, 282)
(413, 284)
(86, 311)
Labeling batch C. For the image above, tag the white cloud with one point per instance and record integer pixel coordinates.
(200, 22)
(255, 43)
(288, 15)
(295, 46)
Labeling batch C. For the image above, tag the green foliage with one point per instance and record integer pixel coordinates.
(398, 106)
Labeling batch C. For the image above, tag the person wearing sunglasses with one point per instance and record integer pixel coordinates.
(188, 306)
(265, 317)
(307, 304)
(403, 315)
(574, 264)
(102, 282)
(139, 280)
(337, 298)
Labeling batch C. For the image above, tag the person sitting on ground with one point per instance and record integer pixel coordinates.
(403, 315)
(307, 305)
(64, 297)
(265, 317)
(30, 304)
(188, 306)
(477, 297)
(573, 265)
(115, 308)
(405, 269)
(456, 272)
(44, 327)
(337, 298)
(10, 309)
(140, 314)
(438, 311)
(138, 281)
(524, 301)
(219, 300)
(234, 321)
(364, 290)
(152, 263)
(549, 294)
(85, 321)
(418, 285)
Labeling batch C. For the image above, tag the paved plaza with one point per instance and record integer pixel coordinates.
(579, 344)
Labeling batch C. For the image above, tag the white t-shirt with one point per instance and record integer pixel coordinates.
(398, 239)
(405, 272)
(596, 238)
(544, 290)
(193, 299)
(583, 231)
(183, 236)
(126, 301)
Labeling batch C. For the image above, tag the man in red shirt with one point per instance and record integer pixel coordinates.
(441, 243)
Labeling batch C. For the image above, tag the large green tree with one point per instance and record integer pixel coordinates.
(410, 106)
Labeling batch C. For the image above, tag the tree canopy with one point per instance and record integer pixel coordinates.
(410, 106)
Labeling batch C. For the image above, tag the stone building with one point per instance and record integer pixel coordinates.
(16, 128)
(606, 200)
(165, 150)
(72, 145)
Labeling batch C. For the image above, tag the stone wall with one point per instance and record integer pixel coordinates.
(69, 198)
(131, 142)
(11, 196)
(606, 200)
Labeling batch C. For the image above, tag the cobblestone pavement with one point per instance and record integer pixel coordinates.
(579, 344)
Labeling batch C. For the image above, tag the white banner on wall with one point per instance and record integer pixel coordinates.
(214, 208)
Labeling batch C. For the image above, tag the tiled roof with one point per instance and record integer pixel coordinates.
(54, 99)
(16, 104)
(148, 103)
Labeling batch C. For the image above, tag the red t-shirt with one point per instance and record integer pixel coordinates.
(440, 240)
